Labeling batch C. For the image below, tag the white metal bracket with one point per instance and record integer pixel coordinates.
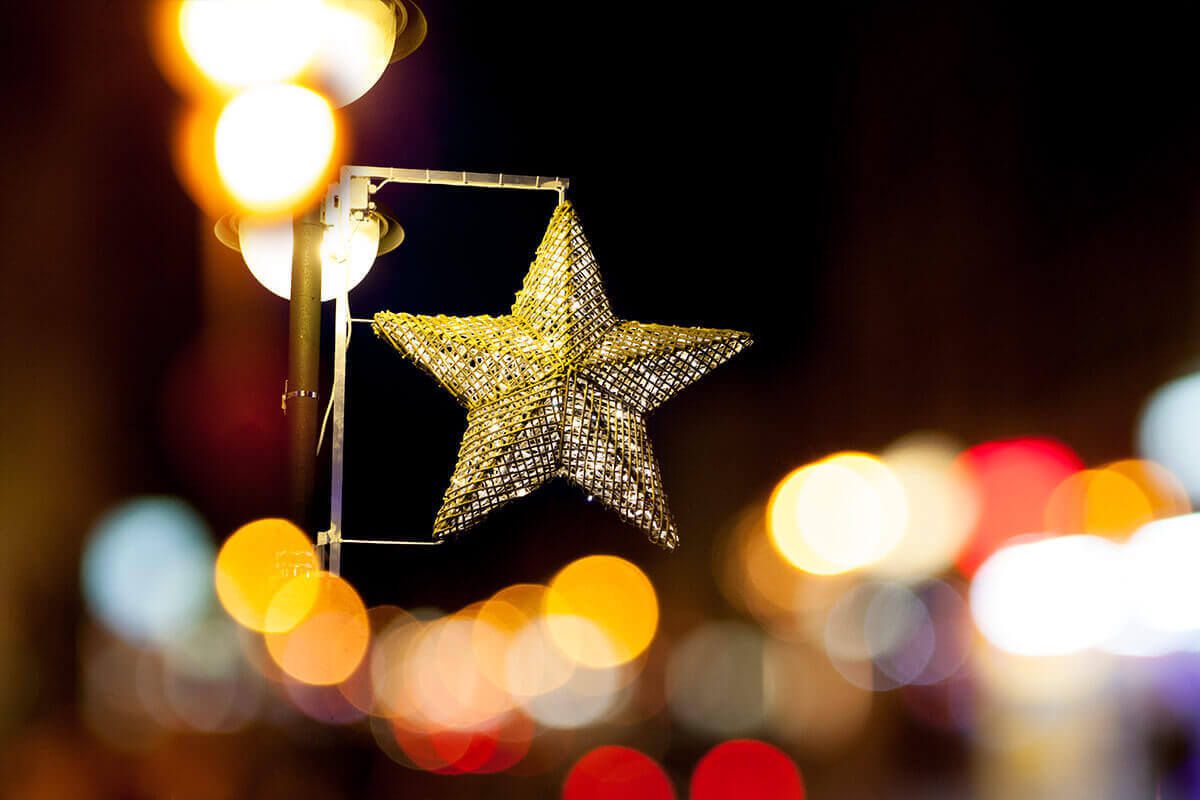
(346, 201)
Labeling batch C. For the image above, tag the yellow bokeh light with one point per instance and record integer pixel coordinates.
(842, 513)
(254, 564)
(614, 598)
(274, 147)
(1098, 501)
(330, 641)
(238, 43)
(943, 505)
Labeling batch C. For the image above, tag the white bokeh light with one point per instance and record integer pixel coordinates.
(1052, 596)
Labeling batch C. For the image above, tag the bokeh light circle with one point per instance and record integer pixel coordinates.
(533, 663)
(748, 770)
(237, 43)
(1014, 480)
(254, 564)
(880, 636)
(1169, 430)
(715, 679)
(1100, 501)
(809, 702)
(1166, 494)
(943, 505)
(1164, 589)
(612, 594)
(146, 567)
(1050, 597)
(329, 642)
(611, 772)
(839, 514)
(587, 698)
(274, 146)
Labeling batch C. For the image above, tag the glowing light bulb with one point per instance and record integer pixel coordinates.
(266, 246)
(238, 43)
(274, 147)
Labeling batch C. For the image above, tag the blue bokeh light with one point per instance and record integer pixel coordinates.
(147, 569)
(1169, 430)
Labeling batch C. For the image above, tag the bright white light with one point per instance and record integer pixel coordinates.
(267, 250)
(274, 145)
(238, 43)
(1169, 430)
(357, 37)
(147, 569)
(1050, 597)
(1162, 572)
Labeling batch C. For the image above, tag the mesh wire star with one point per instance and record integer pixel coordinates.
(560, 387)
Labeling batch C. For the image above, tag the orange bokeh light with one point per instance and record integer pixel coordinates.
(1162, 490)
(1099, 501)
(254, 564)
(602, 611)
(330, 641)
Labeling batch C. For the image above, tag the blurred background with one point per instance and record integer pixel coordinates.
(937, 532)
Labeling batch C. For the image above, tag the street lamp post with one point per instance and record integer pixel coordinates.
(301, 395)
(324, 252)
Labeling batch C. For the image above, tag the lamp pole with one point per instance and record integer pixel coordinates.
(301, 400)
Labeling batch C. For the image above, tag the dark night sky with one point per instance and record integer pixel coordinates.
(977, 218)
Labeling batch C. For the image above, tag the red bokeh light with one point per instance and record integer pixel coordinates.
(496, 748)
(617, 773)
(747, 770)
(1014, 480)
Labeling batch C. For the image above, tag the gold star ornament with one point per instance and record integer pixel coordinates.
(559, 387)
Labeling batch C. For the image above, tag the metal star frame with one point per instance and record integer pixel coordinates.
(560, 387)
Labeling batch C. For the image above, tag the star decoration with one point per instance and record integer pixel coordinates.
(560, 387)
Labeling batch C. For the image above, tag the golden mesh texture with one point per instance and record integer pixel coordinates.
(560, 387)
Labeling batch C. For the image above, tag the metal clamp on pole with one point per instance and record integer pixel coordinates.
(288, 395)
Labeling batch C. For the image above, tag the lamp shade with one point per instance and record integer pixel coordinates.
(267, 244)
(356, 45)
(358, 39)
